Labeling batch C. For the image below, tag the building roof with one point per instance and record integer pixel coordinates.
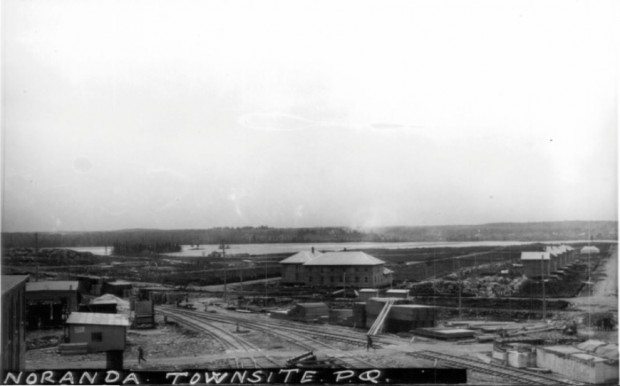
(397, 291)
(95, 318)
(535, 256)
(372, 290)
(300, 257)
(52, 286)
(345, 258)
(590, 249)
(119, 282)
(11, 281)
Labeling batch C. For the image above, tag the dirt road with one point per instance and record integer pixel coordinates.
(605, 292)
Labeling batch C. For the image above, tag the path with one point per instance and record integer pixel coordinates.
(605, 292)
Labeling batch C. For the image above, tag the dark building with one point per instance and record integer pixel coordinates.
(50, 302)
(119, 288)
(99, 307)
(13, 317)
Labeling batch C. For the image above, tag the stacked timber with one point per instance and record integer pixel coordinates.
(343, 317)
(73, 348)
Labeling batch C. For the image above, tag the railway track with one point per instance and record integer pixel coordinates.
(521, 377)
(305, 335)
(309, 339)
(249, 355)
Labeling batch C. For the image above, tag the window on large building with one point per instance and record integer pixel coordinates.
(96, 336)
(365, 279)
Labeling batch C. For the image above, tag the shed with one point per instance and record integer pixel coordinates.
(50, 302)
(397, 293)
(100, 332)
(101, 307)
(118, 288)
(309, 312)
(367, 293)
(13, 317)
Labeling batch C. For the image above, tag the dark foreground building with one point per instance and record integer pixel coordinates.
(13, 317)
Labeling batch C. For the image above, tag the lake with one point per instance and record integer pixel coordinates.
(265, 249)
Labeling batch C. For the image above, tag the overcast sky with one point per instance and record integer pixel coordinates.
(195, 114)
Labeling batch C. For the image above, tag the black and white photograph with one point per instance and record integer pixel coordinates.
(310, 191)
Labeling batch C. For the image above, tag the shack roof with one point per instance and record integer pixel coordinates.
(535, 256)
(345, 258)
(11, 281)
(52, 286)
(590, 249)
(119, 283)
(99, 319)
(300, 257)
(397, 291)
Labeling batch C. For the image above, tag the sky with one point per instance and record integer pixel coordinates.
(196, 114)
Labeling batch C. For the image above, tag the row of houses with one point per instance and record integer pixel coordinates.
(335, 269)
(553, 259)
(544, 263)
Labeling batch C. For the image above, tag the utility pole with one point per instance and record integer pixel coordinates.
(544, 305)
(223, 248)
(265, 301)
(460, 284)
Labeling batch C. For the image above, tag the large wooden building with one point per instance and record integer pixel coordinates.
(336, 269)
(292, 267)
(13, 317)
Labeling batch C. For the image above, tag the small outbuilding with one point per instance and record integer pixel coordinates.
(397, 293)
(50, 302)
(309, 312)
(119, 288)
(99, 332)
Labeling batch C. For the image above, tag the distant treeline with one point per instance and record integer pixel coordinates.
(138, 248)
(244, 235)
(543, 231)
